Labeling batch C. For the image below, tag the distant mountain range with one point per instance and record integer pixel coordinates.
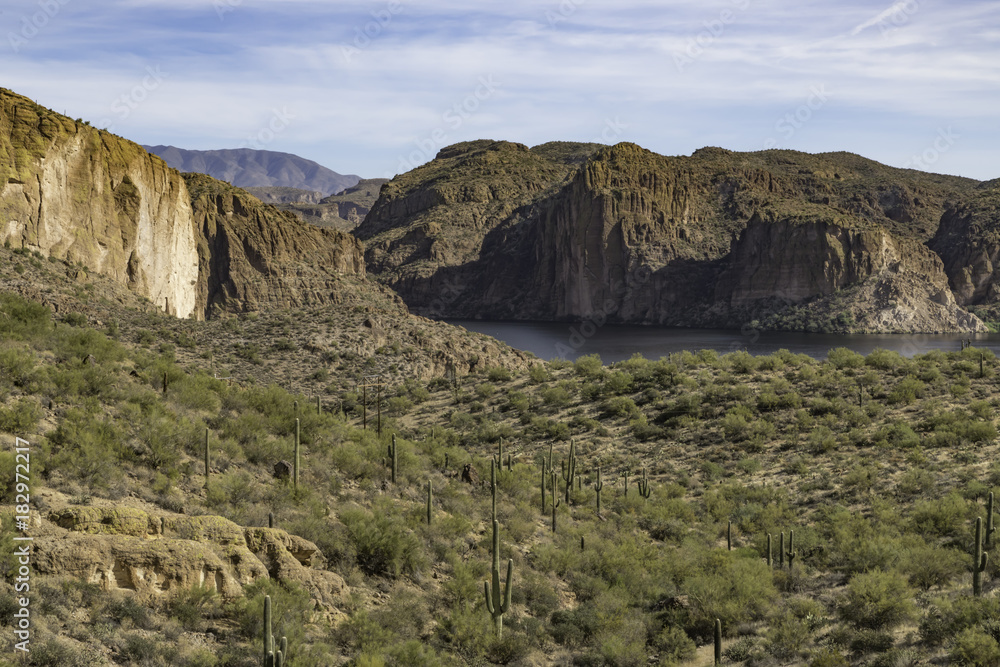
(245, 167)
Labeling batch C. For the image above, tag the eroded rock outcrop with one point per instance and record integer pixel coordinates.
(151, 554)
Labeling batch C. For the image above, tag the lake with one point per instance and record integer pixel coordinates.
(612, 342)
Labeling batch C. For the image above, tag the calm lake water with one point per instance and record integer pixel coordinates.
(550, 340)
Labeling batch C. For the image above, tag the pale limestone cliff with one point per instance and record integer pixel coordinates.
(87, 196)
(75, 193)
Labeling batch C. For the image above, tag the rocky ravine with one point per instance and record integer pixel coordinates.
(76, 193)
(571, 231)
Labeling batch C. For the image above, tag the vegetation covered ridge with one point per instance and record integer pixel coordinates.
(825, 512)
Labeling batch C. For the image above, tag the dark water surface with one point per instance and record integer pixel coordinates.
(613, 342)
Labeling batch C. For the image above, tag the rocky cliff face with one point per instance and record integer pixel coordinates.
(252, 255)
(897, 285)
(968, 241)
(497, 230)
(70, 191)
(192, 245)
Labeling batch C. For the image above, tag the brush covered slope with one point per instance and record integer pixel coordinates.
(571, 231)
(192, 245)
(824, 511)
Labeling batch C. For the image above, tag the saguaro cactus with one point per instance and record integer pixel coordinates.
(625, 490)
(493, 488)
(430, 500)
(990, 528)
(978, 560)
(545, 472)
(770, 561)
(497, 601)
(598, 485)
(295, 478)
(718, 642)
(644, 489)
(781, 551)
(207, 459)
(393, 458)
(791, 548)
(555, 498)
(729, 536)
(273, 656)
(569, 469)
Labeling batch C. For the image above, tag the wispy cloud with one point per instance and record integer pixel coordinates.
(561, 80)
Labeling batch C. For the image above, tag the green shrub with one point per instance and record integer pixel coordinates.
(589, 367)
(976, 648)
(21, 418)
(499, 374)
(383, 544)
(539, 373)
(877, 601)
(620, 407)
(21, 319)
(841, 357)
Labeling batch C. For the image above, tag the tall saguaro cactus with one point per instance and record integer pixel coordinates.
(393, 458)
(555, 498)
(207, 459)
(644, 489)
(718, 642)
(430, 501)
(791, 548)
(598, 485)
(990, 528)
(569, 469)
(497, 600)
(274, 656)
(295, 478)
(978, 560)
(770, 557)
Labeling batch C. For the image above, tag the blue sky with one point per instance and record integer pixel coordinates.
(375, 88)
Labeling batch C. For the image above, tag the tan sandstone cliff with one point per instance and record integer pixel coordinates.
(73, 192)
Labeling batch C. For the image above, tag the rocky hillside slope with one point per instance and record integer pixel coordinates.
(247, 167)
(190, 244)
(343, 211)
(571, 231)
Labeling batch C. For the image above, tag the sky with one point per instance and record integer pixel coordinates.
(377, 88)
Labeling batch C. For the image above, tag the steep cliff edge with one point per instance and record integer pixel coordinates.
(865, 279)
(192, 245)
(252, 254)
(968, 241)
(498, 231)
(84, 195)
